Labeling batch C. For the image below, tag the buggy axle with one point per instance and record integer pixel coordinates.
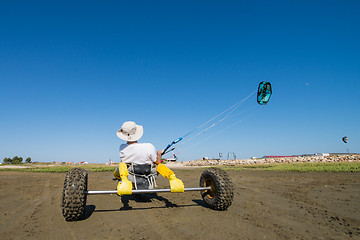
(146, 191)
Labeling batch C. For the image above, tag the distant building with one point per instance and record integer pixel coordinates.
(335, 154)
(277, 156)
(307, 155)
(173, 158)
(83, 162)
(109, 162)
(322, 154)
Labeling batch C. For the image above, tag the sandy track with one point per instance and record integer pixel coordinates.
(267, 205)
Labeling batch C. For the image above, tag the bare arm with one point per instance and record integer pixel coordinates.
(158, 157)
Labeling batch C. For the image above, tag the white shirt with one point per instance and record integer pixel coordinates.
(138, 153)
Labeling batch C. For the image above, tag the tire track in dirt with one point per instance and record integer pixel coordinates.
(309, 194)
(22, 218)
(259, 214)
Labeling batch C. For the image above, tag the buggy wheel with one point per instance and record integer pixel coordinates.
(221, 194)
(74, 194)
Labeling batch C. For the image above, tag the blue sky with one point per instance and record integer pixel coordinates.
(72, 72)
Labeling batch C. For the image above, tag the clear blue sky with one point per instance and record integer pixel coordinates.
(72, 72)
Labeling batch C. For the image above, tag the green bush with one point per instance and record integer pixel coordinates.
(16, 160)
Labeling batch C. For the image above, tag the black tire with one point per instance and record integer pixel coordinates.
(74, 194)
(221, 195)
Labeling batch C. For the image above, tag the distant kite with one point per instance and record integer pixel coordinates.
(264, 93)
(345, 139)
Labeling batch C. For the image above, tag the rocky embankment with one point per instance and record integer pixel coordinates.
(297, 159)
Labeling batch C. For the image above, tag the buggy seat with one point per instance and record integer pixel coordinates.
(143, 176)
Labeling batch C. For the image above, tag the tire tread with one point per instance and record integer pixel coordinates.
(224, 190)
(74, 194)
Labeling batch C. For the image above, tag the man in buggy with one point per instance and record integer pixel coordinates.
(140, 163)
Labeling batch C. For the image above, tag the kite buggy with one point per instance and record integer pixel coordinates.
(215, 185)
(216, 189)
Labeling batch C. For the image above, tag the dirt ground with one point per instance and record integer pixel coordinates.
(267, 205)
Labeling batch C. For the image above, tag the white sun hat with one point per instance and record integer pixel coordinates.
(129, 131)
